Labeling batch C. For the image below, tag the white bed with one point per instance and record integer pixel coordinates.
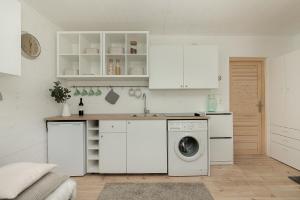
(66, 191)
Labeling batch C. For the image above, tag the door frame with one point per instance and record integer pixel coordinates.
(264, 143)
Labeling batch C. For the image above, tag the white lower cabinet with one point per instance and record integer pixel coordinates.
(285, 146)
(147, 146)
(135, 146)
(66, 147)
(112, 152)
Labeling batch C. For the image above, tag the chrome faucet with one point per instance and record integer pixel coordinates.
(146, 111)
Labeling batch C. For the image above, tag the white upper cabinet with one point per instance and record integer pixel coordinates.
(285, 91)
(166, 67)
(183, 67)
(200, 66)
(292, 61)
(277, 91)
(10, 37)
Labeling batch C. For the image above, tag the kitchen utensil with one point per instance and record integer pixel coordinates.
(84, 92)
(98, 92)
(112, 97)
(77, 92)
(91, 92)
(138, 93)
(131, 92)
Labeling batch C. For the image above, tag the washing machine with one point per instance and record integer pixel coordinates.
(188, 148)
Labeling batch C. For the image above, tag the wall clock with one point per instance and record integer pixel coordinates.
(30, 46)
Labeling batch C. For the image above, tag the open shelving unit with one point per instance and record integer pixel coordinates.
(88, 54)
(117, 45)
(79, 54)
(92, 157)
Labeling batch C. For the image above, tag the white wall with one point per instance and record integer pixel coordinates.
(191, 100)
(26, 100)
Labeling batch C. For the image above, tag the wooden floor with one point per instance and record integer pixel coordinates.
(250, 178)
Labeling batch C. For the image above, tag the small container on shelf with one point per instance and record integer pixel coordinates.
(110, 67)
(133, 47)
(92, 51)
(118, 67)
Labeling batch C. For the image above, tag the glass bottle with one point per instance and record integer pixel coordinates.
(118, 67)
(110, 68)
(81, 108)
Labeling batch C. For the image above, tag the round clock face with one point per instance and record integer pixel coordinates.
(30, 45)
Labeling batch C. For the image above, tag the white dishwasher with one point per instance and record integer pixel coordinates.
(66, 147)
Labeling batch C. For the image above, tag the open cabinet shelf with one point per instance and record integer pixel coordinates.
(96, 54)
(92, 143)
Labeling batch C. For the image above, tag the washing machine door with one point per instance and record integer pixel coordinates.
(189, 147)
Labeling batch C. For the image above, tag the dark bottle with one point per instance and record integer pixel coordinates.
(81, 108)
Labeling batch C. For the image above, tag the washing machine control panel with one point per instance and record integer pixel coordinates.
(187, 125)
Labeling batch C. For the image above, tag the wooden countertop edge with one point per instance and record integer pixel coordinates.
(117, 117)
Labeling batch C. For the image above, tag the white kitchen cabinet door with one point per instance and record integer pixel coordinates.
(277, 84)
(200, 66)
(221, 151)
(66, 147)
(166, 67)
(292, 63)
(10, 37)
(112, 154)
(147, 146)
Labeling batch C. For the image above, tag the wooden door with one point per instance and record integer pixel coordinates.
(200, 66)
(246, 103)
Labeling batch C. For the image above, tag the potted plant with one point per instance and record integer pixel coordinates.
(61, 95)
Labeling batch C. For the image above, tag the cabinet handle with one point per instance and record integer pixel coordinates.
(128, 122)
(181, 86)
(101, 136)
(186, 86)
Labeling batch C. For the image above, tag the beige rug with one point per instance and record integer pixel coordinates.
(155, 191)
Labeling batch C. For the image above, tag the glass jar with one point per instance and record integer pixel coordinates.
(212, 103)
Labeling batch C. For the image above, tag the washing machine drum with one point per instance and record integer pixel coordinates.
(188, 148)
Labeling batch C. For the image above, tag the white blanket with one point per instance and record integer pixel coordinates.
(66, 191)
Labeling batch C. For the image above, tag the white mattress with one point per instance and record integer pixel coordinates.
(66, 191)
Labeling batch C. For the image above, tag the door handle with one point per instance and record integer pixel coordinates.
(260, 105)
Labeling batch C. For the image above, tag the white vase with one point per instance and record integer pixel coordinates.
(66, 110)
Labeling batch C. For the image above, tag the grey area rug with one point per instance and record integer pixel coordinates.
(155, 191)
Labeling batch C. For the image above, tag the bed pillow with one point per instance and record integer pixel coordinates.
(16, 177)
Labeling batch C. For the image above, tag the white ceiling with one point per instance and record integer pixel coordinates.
(217, 17)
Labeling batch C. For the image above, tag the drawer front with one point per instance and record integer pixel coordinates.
(220, 126)
(286, 155)
(294, 158)
(221, 150)
(289, 142)
(291, 133)
(112, 126)
(279, 152)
